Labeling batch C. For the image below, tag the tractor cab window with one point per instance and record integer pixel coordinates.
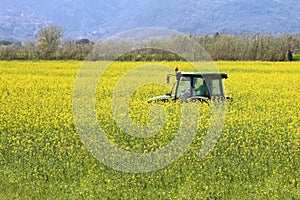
(200, 87)
(197, 83)
(184, 88)
(216, 87)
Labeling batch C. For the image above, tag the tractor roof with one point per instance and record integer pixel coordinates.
(208, 75)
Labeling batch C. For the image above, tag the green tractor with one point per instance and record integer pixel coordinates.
(195, 86)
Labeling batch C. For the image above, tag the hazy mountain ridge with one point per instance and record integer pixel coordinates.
(91, 18)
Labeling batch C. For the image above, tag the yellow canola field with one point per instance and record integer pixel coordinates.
(43, 156)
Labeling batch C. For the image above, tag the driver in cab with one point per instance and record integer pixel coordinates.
(202, 90)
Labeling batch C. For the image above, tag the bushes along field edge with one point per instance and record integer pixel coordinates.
(219, 46)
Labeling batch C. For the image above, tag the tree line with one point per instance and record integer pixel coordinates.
(50, 46)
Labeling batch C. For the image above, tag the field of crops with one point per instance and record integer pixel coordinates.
(42, 154)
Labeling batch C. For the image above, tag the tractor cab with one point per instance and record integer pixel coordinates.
(201, 86)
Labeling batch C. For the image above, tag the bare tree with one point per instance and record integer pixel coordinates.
(48, 40)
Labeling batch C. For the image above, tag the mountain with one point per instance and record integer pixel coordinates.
(20, 19)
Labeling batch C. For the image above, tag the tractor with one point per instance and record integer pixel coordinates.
(195, 86)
